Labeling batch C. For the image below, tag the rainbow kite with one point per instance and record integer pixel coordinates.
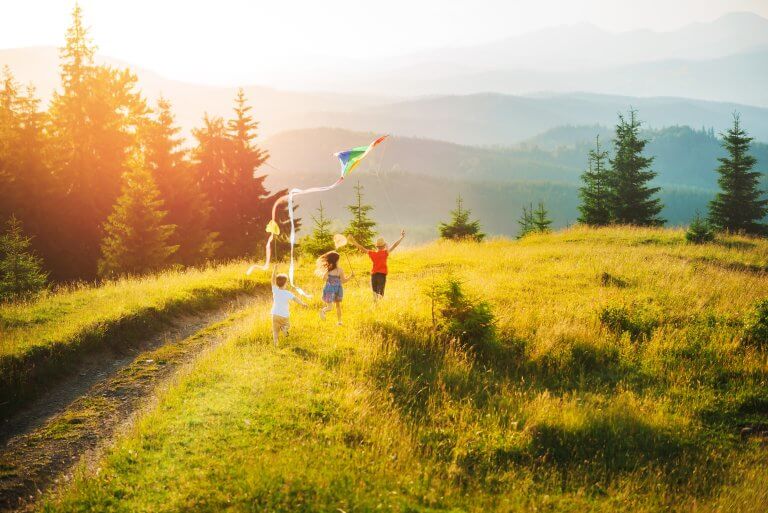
(349, 160)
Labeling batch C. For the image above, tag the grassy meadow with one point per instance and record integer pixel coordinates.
(48, 333)
(618, 376)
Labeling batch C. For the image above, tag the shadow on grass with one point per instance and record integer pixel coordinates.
(582, 448)
(415, 367)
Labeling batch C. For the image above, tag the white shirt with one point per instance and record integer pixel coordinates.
(281, 297)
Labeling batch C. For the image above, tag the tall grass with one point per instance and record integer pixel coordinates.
(45, 336)
(562, 409)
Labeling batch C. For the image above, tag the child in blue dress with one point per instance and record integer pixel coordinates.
(333, 291)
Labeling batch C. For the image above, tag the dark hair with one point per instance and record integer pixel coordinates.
(328, 262)
(280, 280)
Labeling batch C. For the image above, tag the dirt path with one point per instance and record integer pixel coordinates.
(41, 443)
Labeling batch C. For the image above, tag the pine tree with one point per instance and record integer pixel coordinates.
(226, 160)
(596, 193)
(136, 238)
(27, 188)
(632, 200)
(541, 220)
(20, 270)
(94, 120)
(526, 222)
(253, 202)
(188, 207)
(321, 239)
(460, 227)
(739, 206)
(699, 231)
(361, 227)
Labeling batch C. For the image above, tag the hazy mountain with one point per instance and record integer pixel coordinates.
(495, 119)
(585, 45)
(683, 156)
(272, 107)
(725, 60)
(741, 77)
(414, 182)
(478, 119)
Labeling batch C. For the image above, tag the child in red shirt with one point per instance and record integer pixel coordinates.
(379, 259)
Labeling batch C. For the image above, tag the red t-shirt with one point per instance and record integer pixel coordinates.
(379, 259)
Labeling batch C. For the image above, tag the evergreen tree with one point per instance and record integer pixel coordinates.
(137, 240)
(321, 239)
(188, 208)
(247, 228)
(94, 120)
(596, 193)
(361, 227)
(460, 227)
(526, 222)
(27, 188)
(226, 161)
(699, 231)
(739, 206)
(632, 200)
(20, 270)
(541, 220)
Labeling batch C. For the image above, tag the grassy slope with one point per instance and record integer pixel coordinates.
(53, 330)
(559, 414)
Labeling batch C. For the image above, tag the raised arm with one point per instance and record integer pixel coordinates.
(398, 241)
(343, 276)
(356, 244)
(274, 273)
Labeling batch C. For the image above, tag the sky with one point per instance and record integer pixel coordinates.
(223, 41)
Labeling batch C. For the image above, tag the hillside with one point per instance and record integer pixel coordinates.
(707, 79)
(684, 156)
(620, 375)
(472, 119)
(413, 183)
(497, 119)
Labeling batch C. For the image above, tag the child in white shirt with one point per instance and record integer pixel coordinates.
(280, 304)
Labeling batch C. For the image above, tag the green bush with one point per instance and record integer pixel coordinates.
(620, 320)
(460, 317)
(756, 325)
(699, 231)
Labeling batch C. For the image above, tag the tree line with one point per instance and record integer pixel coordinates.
(616, 189)
(104, 183)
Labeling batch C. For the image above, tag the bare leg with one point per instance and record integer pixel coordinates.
(338, 311)
(324, 310)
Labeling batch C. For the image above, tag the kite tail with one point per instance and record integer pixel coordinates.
(289, 198)
(349, 160)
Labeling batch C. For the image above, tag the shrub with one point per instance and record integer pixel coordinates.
(609, 280)
(620, 320)
(699, 231)
(756, 325)
(21, 273)
(460, 317)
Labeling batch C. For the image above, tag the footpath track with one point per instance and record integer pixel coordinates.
(41, 444)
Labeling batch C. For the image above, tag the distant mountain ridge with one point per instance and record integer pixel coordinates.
(477, 119)
(483, 94)
(684, 157)
(573, 46)
(724, 60)
(414, 182)
(496, 119)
